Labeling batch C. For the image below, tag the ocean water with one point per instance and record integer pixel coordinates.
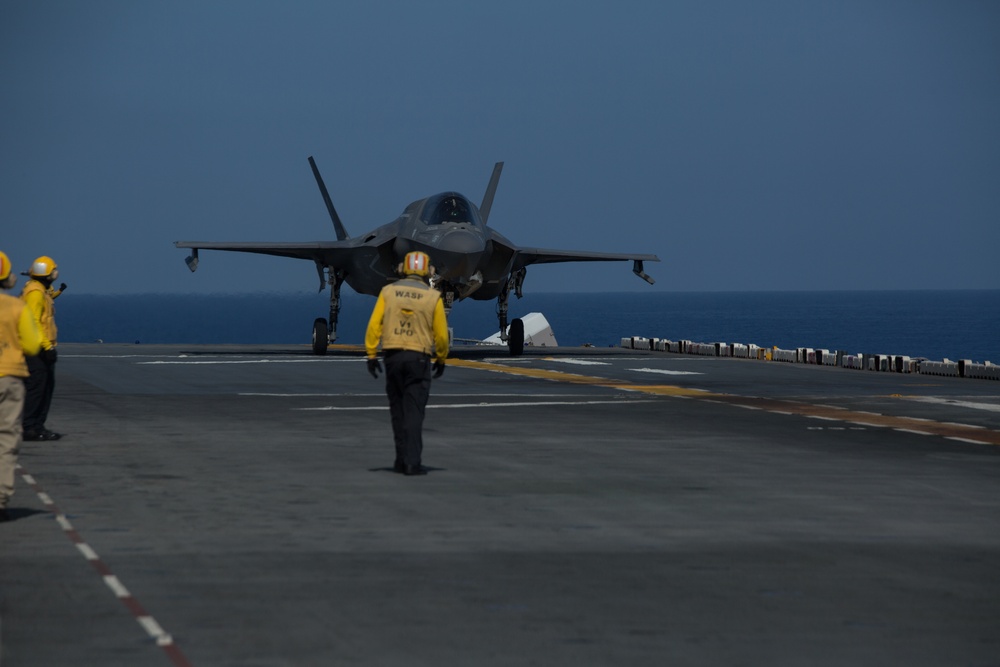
(933, 324)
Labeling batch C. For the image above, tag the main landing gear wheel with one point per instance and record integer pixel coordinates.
(515, 337)
(321, 336)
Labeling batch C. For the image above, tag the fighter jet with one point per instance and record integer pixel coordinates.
(472, 260)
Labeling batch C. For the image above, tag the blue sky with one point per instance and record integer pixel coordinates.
(752, 146)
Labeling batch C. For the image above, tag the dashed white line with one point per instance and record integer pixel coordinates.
(154, 630)
(87, 552)
(116, 586)
(149, 624)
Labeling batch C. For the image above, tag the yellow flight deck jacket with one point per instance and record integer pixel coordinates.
(409, 315)
(39, 302)
(18, 336)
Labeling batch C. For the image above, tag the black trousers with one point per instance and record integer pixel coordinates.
(408, 385)
(38, 388)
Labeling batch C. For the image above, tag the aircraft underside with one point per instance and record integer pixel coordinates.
(512, 334)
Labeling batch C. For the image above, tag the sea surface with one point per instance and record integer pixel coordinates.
(932, 324)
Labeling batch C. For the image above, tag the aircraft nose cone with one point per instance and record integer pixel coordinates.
(462, 241)
(460, 252)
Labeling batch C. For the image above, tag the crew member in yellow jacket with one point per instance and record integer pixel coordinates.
(38, 295)
(410, 322)
(18, 336)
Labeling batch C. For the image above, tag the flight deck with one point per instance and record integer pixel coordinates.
(236, 505)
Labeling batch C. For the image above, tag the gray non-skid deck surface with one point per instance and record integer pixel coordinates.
(240, 495)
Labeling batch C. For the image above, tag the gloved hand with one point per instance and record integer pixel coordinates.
(374, 367)
(49, 356)
(438, 369)
(62, 287)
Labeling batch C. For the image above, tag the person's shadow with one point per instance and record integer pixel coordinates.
(18, 513)
(427, 469)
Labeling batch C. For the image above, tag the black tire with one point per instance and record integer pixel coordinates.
(321, 336)
(515, 337)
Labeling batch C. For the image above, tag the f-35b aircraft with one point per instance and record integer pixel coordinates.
(472, 260)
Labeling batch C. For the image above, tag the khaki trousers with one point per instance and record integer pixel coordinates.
(11, 406)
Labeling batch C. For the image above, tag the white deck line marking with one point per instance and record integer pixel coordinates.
(269, 395)
(782, 412)
(991, 407)
(116, 586)
(963, 425)
(910, 430)
(123, 356)
(29, 479)
(747, 407)
(968, 440)
(828, 419)
(360, 408)
(381, 394)
(577, 362)
(154, 630)
(247, 361)
(481, 405)
(662, 371)
(87, 552)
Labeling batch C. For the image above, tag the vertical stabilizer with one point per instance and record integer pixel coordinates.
(491, 189)
(337, 224)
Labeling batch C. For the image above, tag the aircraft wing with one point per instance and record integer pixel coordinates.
(365, 266)
(526, 256)
(318, 251)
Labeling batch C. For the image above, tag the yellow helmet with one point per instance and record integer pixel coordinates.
(43, 267)
(4, 266)
(416, 263)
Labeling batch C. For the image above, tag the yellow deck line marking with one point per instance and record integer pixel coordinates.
(576, 378)
(530, 372)
(950, 430)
